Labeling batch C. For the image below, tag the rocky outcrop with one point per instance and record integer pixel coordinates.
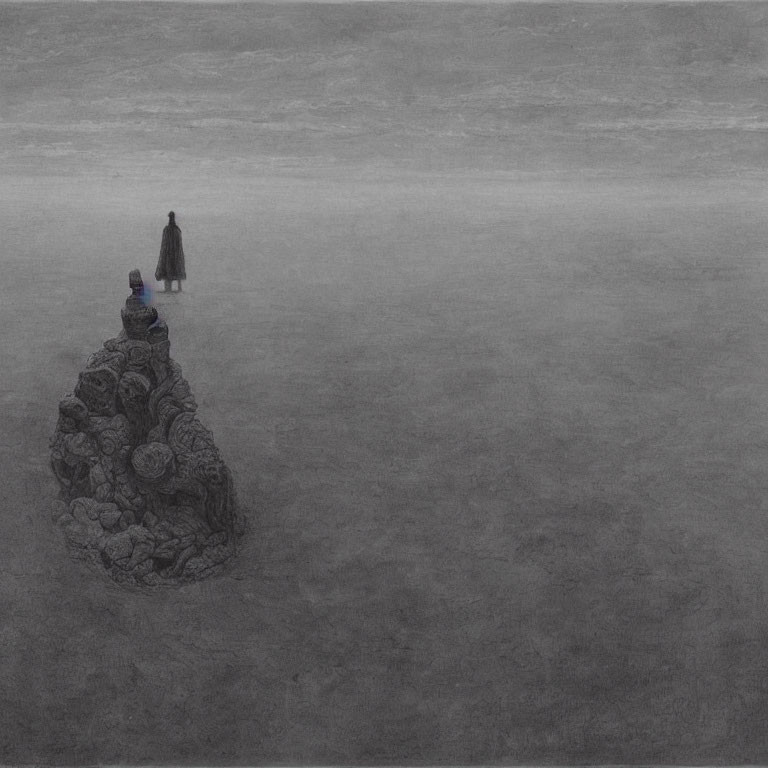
(145, 493)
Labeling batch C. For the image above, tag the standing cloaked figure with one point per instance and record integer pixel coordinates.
(170, 265)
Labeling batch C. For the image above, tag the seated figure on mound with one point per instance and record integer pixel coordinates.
(170, 265)
(144, 492)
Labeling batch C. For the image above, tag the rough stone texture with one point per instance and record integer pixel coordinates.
(149, 497)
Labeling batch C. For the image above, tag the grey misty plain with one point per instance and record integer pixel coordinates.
(477, 321)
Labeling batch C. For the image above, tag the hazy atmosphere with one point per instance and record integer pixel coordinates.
(476, 311)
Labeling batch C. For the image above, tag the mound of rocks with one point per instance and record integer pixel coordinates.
(145, 493)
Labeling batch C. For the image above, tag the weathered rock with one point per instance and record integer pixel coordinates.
(141, 569)
(74, 408)
(152, 461)
(133, 393)
(127, 519)
(137, 354)
(79, 446)
(97, 388)
(64, 520)
(145, 493)
(215, 539)
(197, 567)
(104, 492)
(111, 517)
(82, 532)
(113, 359)
(167, 550)
(118, 547)
(142, 551)
(128, 547)
(156, 434)
(218, 554)
(187, 435)
(84, 508)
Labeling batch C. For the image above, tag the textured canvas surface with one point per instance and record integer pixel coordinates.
(475, 311)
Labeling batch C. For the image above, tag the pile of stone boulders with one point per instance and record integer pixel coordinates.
(145, 493)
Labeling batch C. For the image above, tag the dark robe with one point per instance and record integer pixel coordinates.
(170, 265)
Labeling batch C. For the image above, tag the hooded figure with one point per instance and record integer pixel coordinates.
(170, 265)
